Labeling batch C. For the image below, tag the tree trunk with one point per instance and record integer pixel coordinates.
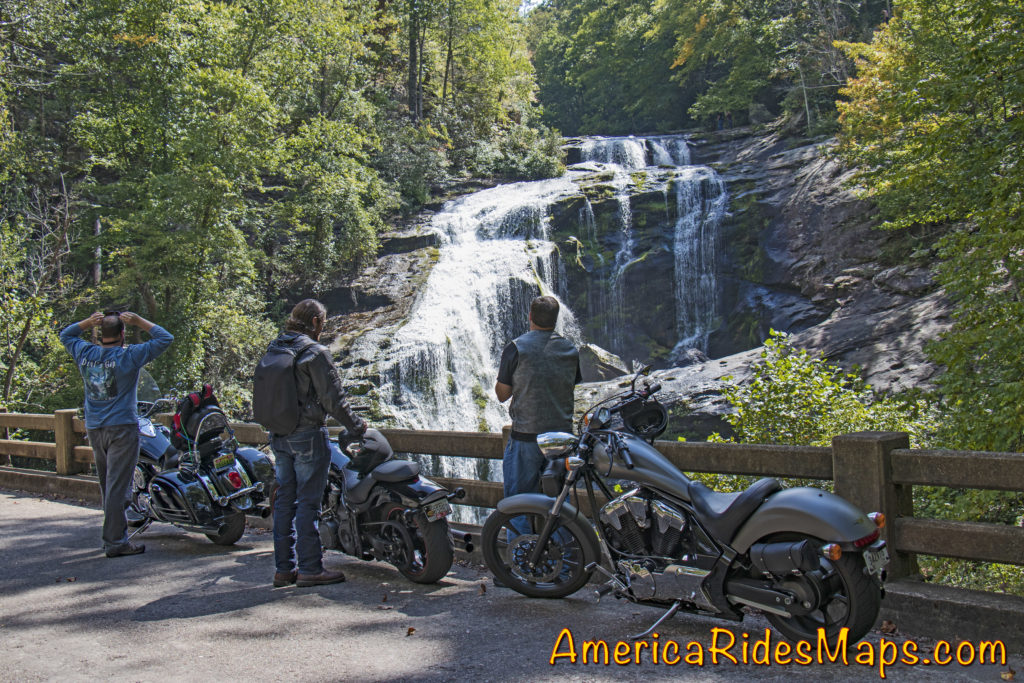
(414, 69)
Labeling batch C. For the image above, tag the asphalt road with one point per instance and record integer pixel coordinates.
(190, 610)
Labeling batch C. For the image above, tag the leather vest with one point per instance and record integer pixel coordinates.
(543, 382)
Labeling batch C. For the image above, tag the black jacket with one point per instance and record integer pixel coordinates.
(319, 387)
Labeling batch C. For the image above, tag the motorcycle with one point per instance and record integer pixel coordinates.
(807, 558)
(210, 485)
(378, 508)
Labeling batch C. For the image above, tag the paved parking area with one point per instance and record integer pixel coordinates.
(190, 610)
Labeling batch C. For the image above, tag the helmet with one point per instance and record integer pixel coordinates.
(372, 450)
(646, 419)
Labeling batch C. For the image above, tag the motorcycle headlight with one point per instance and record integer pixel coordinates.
(554, 444)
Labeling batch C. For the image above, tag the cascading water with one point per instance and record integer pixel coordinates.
(437, 370)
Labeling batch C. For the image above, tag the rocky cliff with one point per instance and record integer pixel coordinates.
(795, 251)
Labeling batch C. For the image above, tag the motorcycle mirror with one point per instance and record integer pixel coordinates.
(642, 372)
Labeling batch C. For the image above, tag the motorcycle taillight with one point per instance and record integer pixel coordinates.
(236, 479)
(867, 540)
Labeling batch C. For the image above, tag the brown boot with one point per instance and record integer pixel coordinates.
(323, 578)
(282, 579)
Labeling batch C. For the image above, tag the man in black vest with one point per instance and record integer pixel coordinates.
(304, 456)
(538, 372)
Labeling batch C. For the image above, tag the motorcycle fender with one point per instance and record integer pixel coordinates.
(416, 492)
(809, 511)
(540, 504)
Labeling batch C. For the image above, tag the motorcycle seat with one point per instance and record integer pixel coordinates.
(357, 488)
(723, 513)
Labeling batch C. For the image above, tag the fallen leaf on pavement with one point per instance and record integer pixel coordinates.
(385, 598)
(72, 579)
(385, 607)
(888, 626)
(1008, 675)
(410, 631)
(483, 588)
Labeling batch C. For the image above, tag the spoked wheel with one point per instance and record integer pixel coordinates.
(137, 511)
(841, 593)
(421, 552)
(231, 530)
(509, 541)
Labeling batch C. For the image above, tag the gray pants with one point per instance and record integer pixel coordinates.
(116, 449)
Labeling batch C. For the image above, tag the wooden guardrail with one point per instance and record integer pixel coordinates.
(874, 470)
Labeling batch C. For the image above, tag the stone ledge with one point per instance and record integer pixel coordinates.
(954, 614)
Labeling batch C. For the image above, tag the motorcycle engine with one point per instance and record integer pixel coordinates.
(639, 524)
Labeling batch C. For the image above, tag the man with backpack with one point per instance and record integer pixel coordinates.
(110, 372)
(296, 386)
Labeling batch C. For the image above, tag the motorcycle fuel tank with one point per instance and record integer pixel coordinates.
(650, 467)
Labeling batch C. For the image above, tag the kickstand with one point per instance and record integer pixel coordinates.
(145, 525)
(667, 615)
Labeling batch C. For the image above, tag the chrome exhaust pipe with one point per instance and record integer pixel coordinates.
(462, 541)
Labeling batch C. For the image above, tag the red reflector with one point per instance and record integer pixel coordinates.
(236, 480)
(867, 540)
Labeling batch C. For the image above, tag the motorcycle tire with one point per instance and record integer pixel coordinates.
(853, 601)
(231, 530)
(431, 554)
(568, 573)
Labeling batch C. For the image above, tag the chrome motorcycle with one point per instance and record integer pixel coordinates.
(209, 486)
(805, 557)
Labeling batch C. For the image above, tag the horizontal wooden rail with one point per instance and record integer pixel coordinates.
(40, 450)
(807, 462)
(959, 469)
(965, 540)
(26, 421)
(484, 494)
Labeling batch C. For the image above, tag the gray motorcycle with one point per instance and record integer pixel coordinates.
(807, 558)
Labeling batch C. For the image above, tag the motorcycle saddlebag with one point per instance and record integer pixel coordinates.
(178, 496)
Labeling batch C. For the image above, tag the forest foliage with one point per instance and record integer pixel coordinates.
(204, 162)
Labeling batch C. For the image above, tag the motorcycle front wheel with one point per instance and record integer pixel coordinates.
(508, 543)
(849, 599)
(136, 512)
(426, 550)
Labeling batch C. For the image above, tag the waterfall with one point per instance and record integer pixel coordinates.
(700, 204)
(437, 370)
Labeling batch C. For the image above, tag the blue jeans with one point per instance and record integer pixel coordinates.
(521, 467)
(302, 461)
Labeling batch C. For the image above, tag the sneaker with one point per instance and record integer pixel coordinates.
(282, 579)
(126, 549)
(323, 578)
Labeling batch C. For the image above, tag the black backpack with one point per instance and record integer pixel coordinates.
(275, 396)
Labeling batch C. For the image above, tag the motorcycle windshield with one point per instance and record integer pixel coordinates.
(147, 390)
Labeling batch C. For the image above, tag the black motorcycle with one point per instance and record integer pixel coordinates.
(207, 482)
(378, 508)
(807, 558)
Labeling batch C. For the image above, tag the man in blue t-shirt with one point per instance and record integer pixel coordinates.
(110, 372)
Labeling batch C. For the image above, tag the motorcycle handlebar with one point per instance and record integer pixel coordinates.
(652, 389)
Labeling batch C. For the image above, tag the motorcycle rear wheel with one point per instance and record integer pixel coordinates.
(562, 569)
(431, 555)
(853, 601)
(231, 530)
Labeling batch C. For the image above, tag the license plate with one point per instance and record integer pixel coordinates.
(225, 460)
(437, 510)
(876, 560)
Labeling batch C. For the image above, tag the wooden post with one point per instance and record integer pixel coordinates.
(4, 459)
(862, 468)
(66, 439)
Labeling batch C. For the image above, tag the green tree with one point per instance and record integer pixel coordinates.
(796, 398)
(934, 124)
